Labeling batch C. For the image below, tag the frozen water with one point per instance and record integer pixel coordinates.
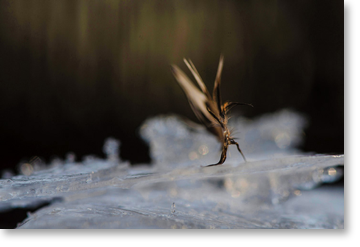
(276, 188)
(111, 149)
(119, 208)
(272, 135)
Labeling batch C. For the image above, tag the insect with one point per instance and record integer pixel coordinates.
(209, 110)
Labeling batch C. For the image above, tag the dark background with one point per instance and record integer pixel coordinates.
(73, 73)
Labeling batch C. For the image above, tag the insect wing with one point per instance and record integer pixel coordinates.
(216, 91)
(198, 102)
(196, 98)
(197, 77)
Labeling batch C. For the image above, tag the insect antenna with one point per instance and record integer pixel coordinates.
(229, 105)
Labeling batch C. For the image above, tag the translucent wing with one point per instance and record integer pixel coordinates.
(216, 91)
(197, 76)
(199, 101)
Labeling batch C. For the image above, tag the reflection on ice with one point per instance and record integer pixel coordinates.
(276, 188)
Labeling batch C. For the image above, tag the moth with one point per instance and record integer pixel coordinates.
(209, 109)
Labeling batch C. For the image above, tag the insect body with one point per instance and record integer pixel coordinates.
(209, 109)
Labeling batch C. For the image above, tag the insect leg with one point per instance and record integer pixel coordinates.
(238, 147)
(223, 156)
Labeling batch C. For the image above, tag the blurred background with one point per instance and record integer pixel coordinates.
(73, 73)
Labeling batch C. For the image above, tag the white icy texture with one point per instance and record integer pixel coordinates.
(276, 188)
(269, 136)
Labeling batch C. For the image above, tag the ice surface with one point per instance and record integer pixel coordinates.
(272, 135)
(276, 188)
